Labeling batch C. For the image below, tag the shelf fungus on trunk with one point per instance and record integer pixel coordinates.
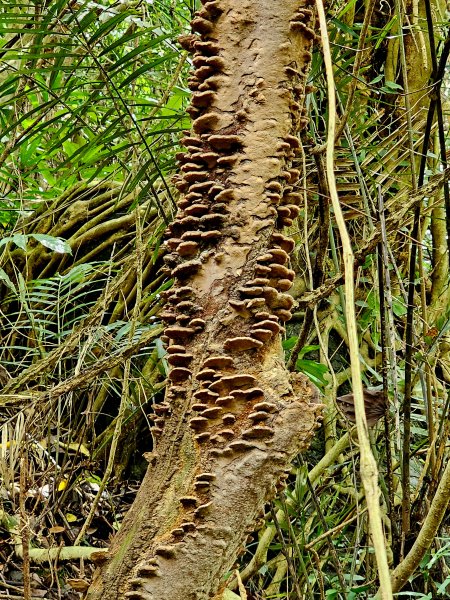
(233, 417)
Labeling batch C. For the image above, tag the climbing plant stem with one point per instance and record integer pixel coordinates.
(369, 471)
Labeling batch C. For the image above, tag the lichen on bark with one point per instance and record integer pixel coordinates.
(233, 417)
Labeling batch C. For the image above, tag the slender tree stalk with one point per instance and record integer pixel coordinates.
(426, 535)
(369, 471)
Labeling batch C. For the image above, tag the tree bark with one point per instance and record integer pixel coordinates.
(233, 417)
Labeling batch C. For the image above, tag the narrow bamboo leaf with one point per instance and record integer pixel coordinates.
(107, 26)
(145, 69)
(132, 54)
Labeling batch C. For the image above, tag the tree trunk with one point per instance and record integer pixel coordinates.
(233, 416)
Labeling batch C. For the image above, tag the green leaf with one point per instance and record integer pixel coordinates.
(7, 281)
(376, 79)
(290, 343)
(107, 26)
(307, 349)
(373, 301)
(28, 152)
(381, 36)
(145, 69)
(344, 27)
(20, 240)
(442, 589)
(398, 308)
(54, 243)
(368, 261)
(361, 588)
(346, 7)
(127, 59)
(122, 41)
(314, 370)
(391, 86)
(161, 351)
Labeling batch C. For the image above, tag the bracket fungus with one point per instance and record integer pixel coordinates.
(229, 261)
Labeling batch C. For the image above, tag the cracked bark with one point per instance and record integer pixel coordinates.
(233, 417)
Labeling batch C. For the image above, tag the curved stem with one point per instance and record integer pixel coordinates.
(438, 507)
(369, 471)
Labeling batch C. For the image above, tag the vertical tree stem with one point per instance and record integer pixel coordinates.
(369, 471)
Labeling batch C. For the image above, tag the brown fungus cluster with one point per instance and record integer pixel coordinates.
(229, 412)
(212, 148)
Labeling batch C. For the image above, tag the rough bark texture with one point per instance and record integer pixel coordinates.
(233, 417)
